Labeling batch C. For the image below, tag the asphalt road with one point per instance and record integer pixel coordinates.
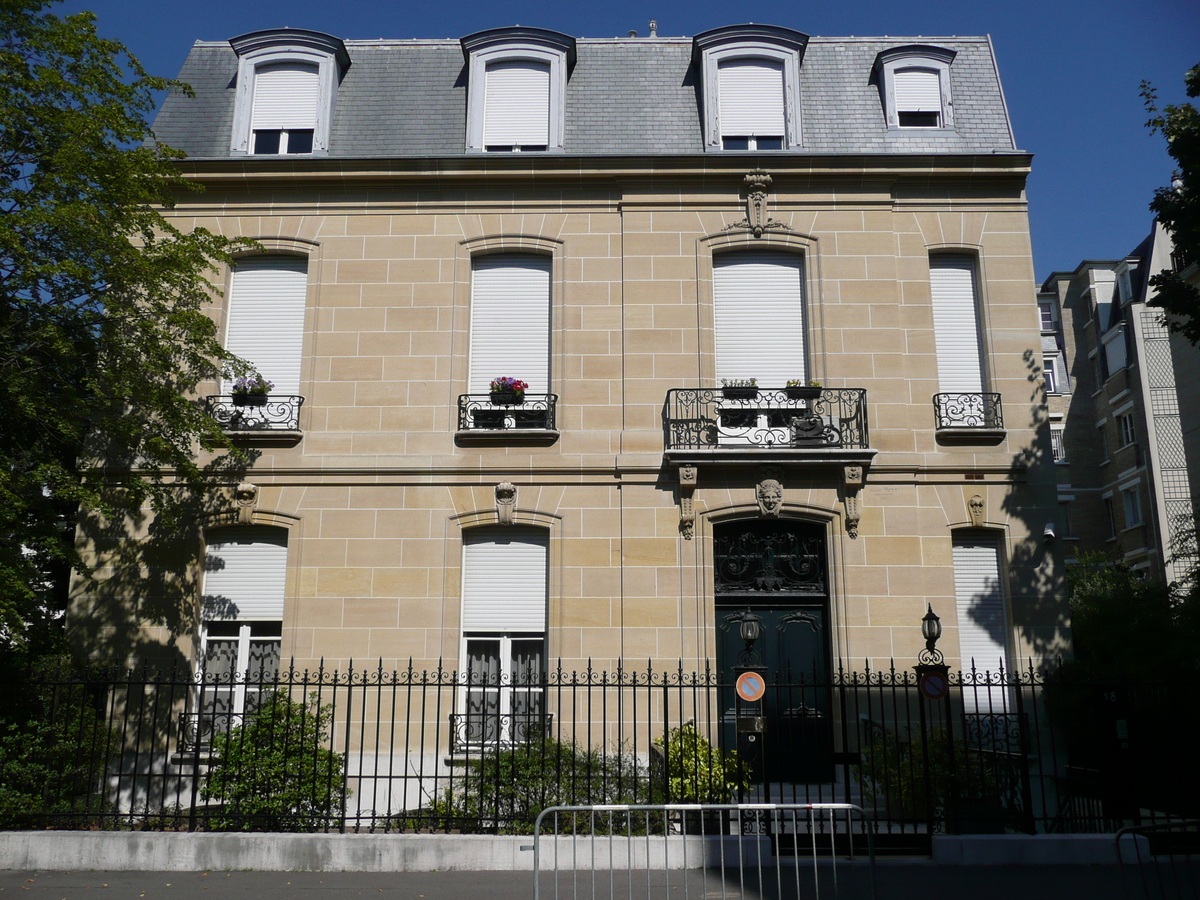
(895, 880)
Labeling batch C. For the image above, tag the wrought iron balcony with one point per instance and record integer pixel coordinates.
(981, 412)
(493, 731)
(783, 418)
(480, 413)
(278, 412)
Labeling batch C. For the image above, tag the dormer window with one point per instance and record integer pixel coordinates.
(915, 84)
(751, 86)
(286, 88)
(285, 108)
(750, 97)
(517, 83)
(516, 114)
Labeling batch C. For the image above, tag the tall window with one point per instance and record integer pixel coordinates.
(758, 312)
(241, 621)
(1058, 444)
(285, 108)
(266, 317)
(1048, 314)
(510, 321)
(1126, 429)
(956, 324)
(982, 621)
(751, 99)
(1132, 506)
(504, 602)
(517, 106)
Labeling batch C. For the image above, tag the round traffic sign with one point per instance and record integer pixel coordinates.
(934, 685)
(751, 686)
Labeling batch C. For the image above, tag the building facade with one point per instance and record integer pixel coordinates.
(581, 348)
(1119, 386)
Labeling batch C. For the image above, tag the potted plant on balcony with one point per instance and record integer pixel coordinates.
(797, 389)
(739, 388)
(507, 391)
(251, 390)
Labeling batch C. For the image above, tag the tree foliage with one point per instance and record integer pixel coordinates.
(275, 771)
(103, 334)
(1178, 206)
(53, 747)
(1124, 624)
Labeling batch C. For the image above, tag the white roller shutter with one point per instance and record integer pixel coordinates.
(510, 321)
(918, 90)
(244, 573)
(758, 311)
(504, 580)
(517, 104)
(955, 324)
(285, 96)
(266, 318)
(982, 622)
(751, 97)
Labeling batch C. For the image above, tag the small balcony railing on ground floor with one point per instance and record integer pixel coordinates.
(969, 410)
(277, 412)
(484, 413)
(804, 417)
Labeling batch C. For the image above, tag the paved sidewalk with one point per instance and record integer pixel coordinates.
(896, 880)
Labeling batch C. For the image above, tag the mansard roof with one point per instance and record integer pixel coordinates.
(624, 96)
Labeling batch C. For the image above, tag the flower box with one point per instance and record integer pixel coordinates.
(250, 399)
(739, 392)
(506, 398)
(803, 392)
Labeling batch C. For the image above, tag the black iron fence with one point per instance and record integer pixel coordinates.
(377, 750)
(496, 412)
(698, 418)
(968, 411)
(278, 412)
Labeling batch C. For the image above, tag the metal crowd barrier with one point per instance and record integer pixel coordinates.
(1161, 861)
(720, 851)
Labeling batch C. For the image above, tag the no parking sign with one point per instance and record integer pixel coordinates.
(751, 686)
(934, 685)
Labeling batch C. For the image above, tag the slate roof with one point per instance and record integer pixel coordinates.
(625, 96)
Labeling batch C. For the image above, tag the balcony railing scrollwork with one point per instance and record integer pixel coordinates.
(980, 411)
(709, 418)
(494, 731)
(280, 412)
(535, 412)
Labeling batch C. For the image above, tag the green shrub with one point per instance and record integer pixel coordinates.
(915, 778)
(504, 790)
(698, 772)
(274, 772)
(53, 754)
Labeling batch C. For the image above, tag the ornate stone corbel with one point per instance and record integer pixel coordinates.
(246, 497)
(506, 502)
(757, 218)
(852, 481)
(977, 510)
(769, 492)
(688, 476)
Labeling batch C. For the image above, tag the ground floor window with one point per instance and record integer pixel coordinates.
(503, 700)
(240, 662)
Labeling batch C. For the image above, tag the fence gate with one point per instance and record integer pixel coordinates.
(773, 851)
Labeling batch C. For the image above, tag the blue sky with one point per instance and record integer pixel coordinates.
(1070, 69)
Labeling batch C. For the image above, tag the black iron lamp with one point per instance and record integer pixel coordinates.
(749, 630)
(931, 630)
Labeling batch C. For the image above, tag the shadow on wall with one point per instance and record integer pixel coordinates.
(142, 595)
(1037, 593)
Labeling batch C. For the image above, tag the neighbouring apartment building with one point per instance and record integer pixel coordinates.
(1117, 381)
(771, 301)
